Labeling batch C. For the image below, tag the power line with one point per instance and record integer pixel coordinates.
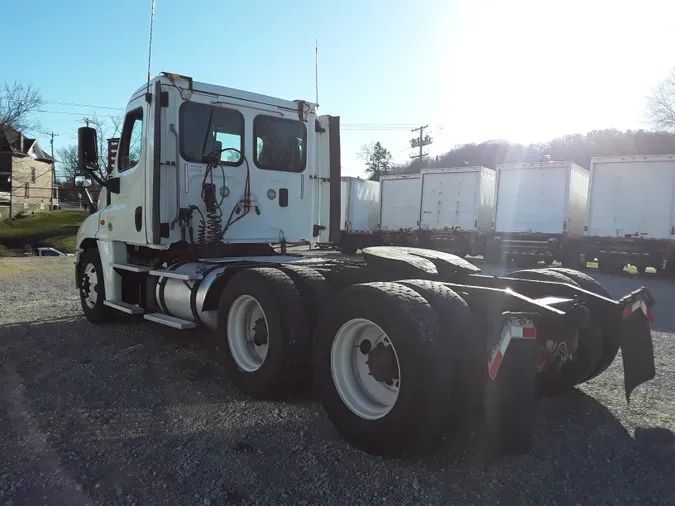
(61, 112)
(75, 104)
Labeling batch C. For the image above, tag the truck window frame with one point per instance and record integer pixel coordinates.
(125, 139)
(267, 117)
(182, 138)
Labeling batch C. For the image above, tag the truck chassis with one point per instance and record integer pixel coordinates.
(402, 344)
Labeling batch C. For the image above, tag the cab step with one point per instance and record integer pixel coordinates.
(130, 267)
(170, 321)
(176, 275)
(125, 307)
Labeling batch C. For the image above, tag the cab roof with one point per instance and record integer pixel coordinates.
(169, 79)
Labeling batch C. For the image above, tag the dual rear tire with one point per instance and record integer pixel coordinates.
(387, 358)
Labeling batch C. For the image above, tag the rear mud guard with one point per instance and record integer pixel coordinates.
(635, 337)
(510, 387)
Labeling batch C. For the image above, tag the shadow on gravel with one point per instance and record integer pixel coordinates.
(127, 364)
(581, 453)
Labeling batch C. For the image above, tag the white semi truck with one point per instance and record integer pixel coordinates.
(402, 342)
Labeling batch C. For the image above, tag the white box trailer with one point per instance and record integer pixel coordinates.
(457, 208)
(631, 212)
(539, 205)
(359, 214)
(360, 210)
(400, 198)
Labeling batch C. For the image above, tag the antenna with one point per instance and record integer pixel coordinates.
(152, 22)
(317, 72)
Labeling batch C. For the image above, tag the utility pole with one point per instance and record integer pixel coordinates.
(420, 141)
(51, 192)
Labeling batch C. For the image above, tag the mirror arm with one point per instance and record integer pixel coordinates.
(95, 176)
(112, 184)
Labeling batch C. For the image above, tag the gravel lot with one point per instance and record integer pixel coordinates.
(136, 413)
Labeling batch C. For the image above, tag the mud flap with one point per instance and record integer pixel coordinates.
(637, 349)
(510, 394)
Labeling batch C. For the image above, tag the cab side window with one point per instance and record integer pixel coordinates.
(131, 141)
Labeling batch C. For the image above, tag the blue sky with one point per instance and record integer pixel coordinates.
(521, 70)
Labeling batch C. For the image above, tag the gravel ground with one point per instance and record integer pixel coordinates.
(141, 414)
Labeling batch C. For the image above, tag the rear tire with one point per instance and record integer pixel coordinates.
(419, 407)
(467, 350)
(92, 288)
(313, 288)
(590, 347)
(583, 280)
(270, 357)
(610, 347)
(540, 275)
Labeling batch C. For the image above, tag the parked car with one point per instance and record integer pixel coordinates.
(50, 252)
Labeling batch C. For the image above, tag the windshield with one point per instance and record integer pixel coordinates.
(206, 129)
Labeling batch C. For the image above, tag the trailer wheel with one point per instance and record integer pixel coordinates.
(590, 349)
(381, 369)
(263, 326)
(92, 288)
(313, 288)
(465, 347)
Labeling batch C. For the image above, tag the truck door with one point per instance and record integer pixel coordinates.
(125, 216)
(283, 152)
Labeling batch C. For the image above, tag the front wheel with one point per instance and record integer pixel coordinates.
(92, 288)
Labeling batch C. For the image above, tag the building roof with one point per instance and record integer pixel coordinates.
(13, 141)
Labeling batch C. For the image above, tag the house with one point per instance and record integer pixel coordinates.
(26, 175)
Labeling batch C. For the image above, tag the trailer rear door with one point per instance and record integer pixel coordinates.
(400, 198)
(449, 200)
(632, 197)
(532, 199)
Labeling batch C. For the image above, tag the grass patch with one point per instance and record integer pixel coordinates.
(56, 229)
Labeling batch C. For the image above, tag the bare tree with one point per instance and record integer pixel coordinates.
(661, 104)
(66, 157)
(18, 104)
(66, 160)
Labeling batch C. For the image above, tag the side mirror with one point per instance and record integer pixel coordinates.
(82, 182)
(87, 151)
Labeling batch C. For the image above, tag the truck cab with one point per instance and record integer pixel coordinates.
(199, 164)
